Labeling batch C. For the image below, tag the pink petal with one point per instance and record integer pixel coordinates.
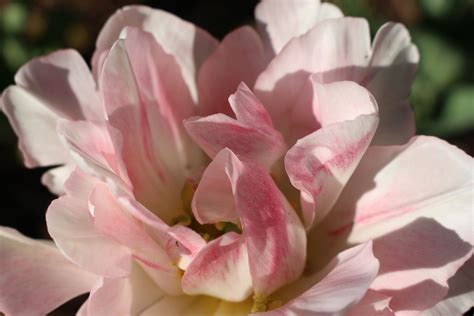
(338, 50)
(281, 20)
(122, 296)
(250, 136)
(332, 44)
(342, 284)
(96, 150)
(74, 96)
(213, 201)
(35, 277)
(341, 101)
(156, 151)
(35, 126)
(460, 296)
(415, 264)
(238, 58)
(320, 164)
(117, 223)
(423, 216)
(372, 304)
(33, 107)
(55, 178)
(71, 227)
(188, 43)
(220, 270)
(274, 235)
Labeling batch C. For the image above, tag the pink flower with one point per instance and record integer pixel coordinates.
(303, 193)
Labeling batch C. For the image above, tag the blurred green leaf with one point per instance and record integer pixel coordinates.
(14, 53)
(13, 17)
(458, 113)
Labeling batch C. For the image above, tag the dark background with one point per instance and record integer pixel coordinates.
(443, 93)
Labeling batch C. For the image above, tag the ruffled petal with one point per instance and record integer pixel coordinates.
(238, 58)
(189, 44)
(342, 284)
(71, 227)
(340, 49)
(221, 269)
(274, 235)
(421, 216)
(281, 20)
(251, 135)
(320, 164)
(35, 277)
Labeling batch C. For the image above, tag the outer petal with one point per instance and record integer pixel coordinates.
(274, 235)
(281, 20)
(250, 136)
(373, 304)
(238, 58)
(221, 269)
(33, 108)
(346, 281)
(339, 49)
(35, 125)
(188, 43)
(460, 296)
(74, 96)
(332, 44)
(122, 296)
(393, 188)
(320, 164)
(35, 277)
(71, 226)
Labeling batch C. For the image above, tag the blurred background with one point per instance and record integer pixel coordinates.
(442, 95)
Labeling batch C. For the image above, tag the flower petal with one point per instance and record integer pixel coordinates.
(213, 201)
(71, 227)
(35, 277)
(372, 304)
(238, 58)
(156, 150)
(342, 284)
(320, 164)
(425, 217)
(221, 269)
(332, 44)
(460, 296)
(122, 296)
(250, 136)
(74, 96)
(281, 20)
(340, 49)
(111, 219)
(188, 43)
(35, 126)
(274, 235)
(55, 178)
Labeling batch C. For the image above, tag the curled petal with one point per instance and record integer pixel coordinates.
(320, 164)
(251, 135)
(35, 277)
(221, 269)
(274, 235)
